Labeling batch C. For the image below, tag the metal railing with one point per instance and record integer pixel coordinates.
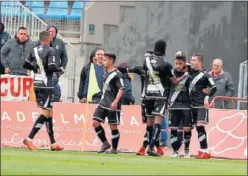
(15, 15)
(234, 100)
(242, 87)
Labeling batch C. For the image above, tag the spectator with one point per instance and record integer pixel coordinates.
(4, 36)
(15, 51)
(61, 59)
(83, 76)
(99, 70)
(223, 81)
(127, 98)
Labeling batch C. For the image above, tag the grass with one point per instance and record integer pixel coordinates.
(20, 161)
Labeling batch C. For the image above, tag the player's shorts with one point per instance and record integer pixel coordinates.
(178, 118)
(155, 107)
(200, 115)
(100, 115)
(44, 96)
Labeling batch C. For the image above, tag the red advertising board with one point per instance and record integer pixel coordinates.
(227, 131)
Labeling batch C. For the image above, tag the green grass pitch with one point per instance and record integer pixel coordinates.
(21, 161)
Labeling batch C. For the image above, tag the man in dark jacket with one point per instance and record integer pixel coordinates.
(15, 51)
(84, 80)
(4, 36)
(61, 58)
(223, 82)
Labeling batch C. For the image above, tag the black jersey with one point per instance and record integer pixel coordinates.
(199, 80)
(42, 61)
(158, 73)
(113, 82)
(179, 94)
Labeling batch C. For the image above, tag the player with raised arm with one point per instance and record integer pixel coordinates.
(179, 107)
(42, 61)
(200, 79)
(110, 104)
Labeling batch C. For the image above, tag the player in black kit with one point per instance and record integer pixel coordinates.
(42, 61)
(110, 104)
(159, 75)
(179, 107)
(199, 80)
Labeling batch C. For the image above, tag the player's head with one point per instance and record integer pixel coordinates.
(217, 65)
(53, 31)
(22, 34)
(196, 61)
(45, 37)
(109, 59)
(180, 61)
(160, 48)
(99, 53)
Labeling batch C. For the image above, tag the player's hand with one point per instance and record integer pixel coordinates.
(206, 102)
(114, 105)
(62, 70)
(7, 70)
(206, 90)
(83, 100)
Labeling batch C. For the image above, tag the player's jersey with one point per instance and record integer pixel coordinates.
(113, 82)
(42, 61)
(179, 94)
(199, 80)
(158, 74)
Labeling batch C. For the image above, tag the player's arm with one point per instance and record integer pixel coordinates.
(211, 85)
(52, 67)
(121, 87)
(170, 73)
(29, 62)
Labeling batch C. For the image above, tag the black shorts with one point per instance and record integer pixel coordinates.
(180, 118)
(113, 116)
(200, 115)
(155, 107)
(44, 96)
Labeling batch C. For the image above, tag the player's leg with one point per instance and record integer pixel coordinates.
(202, 120)
(39, 122)
(187, 127)
(114, 121)
(158, 111)
(174, 122)
(98, 118)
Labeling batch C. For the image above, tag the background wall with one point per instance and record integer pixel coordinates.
(215, 29)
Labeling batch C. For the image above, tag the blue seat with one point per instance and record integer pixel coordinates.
(37, 7)
(57, 9)
(10, 8)
(76, 10)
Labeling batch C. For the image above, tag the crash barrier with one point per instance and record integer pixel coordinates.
(227, 130)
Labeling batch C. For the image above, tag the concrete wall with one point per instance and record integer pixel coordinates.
(215, 29)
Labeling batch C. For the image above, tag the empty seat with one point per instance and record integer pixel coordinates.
(76, 10)
(57, 9)
(37, 7)
(10, 8)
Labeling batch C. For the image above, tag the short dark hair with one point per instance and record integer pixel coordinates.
(160, 47)
(199, 56)
(180, 56)
(44, 35)
(22, 28)
(110, 55)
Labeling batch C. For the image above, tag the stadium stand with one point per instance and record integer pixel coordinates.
(76, 10)
(37, 7)
(57, 10)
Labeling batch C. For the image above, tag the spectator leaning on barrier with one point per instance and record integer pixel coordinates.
(61, 58)
(223, 82)
(99, 70)
(15, 51)
(4, 36)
